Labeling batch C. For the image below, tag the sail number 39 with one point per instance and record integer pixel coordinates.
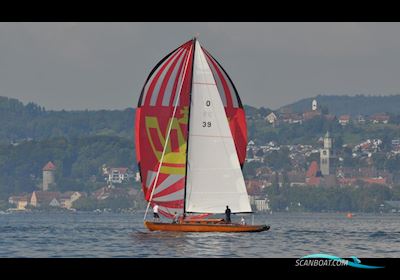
(206, 124)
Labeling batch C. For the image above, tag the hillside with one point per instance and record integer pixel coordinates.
(79, 162)
(31, 121)
(80, 142)
(352, 105)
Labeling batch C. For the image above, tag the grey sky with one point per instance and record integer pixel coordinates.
(104, 65)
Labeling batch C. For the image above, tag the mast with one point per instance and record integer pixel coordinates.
(188, 126)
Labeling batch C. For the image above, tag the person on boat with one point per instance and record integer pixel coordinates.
(176, 218)
(227, 215)
(243, 221)
(155, 213)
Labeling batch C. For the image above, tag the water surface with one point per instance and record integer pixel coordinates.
(123, 235)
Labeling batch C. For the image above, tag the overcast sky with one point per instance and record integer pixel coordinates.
(104, 65)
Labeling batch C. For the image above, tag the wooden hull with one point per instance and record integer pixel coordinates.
(204, 227)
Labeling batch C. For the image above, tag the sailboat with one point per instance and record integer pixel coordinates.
(191, 138)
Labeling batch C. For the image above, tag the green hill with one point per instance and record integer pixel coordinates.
(31, 121)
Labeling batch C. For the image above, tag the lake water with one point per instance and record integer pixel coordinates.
(123, 235)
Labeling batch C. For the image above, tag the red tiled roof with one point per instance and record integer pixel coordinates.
(311, 114)
(381, 181)
(43, 196)
(344, 118)
(49, 166)
(121, 170)
(380, 117)
(312, 170)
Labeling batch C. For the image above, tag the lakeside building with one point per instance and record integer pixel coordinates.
(19, 201)
(45, 199)
(117, 175)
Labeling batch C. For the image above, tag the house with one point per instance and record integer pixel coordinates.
(117, 174)
(292, 118)
(68, 198)
(310, 115)
(107, 192)
(360, 119)
(313, 176)
(271, 118)
(296, 178)
(44, 199)
(102, 193)
(344, 119)
(20, 201)
(375, 180)
(396, 142)
(379, 118)
(54, 203)
(261, 204)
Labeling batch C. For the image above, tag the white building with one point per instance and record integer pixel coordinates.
(314, 105)
(261, 204)
(271, 118)
(117, 175)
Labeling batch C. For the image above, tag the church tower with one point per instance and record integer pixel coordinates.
(327, 156)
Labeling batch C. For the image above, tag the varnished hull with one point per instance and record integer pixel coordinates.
(202, 227)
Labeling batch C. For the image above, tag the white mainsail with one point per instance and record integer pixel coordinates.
(214, 176)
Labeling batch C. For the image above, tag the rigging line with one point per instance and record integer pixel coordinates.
(168, 133)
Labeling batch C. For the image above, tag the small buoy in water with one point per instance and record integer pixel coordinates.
(349, 215)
